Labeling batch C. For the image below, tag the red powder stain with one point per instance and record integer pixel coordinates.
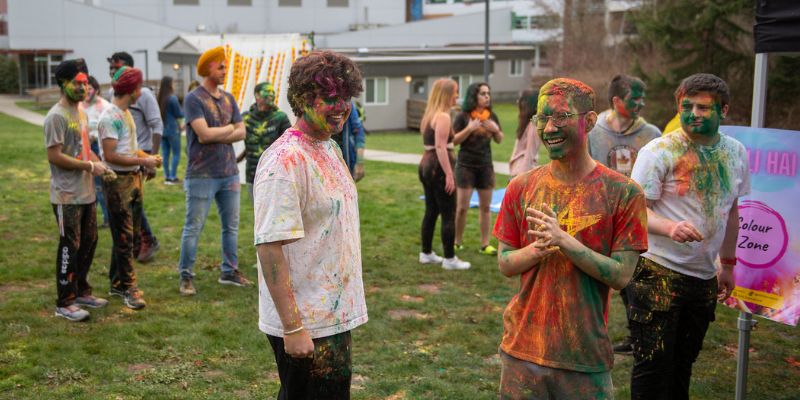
(684, 168)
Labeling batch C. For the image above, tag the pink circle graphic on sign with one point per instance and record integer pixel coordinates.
(763, 237)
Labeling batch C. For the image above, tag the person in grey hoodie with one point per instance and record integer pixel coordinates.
(620, 132)
(616, 139)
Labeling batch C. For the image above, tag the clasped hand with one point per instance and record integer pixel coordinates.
(543, 225)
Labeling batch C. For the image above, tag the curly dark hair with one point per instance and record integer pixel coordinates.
(323, 73)
(471, 97)
(709, 83)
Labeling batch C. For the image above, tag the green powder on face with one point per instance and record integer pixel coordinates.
(708, 125)
(634, 100)
(74, 91)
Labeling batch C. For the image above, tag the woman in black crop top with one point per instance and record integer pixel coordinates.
(436, 174)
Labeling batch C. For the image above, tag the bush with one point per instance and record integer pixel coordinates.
(9, 75)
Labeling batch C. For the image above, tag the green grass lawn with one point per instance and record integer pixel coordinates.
(411, 141)
(433, 334)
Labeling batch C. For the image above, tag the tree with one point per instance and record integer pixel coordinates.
(678, 38)
(9, 74)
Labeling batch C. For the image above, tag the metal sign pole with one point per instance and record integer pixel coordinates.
(486, 45)
(745, 321)
(745, 324)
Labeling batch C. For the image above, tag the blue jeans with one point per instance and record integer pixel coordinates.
(199, 194)
(171, 153)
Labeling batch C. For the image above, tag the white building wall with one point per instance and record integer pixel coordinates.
(90, 32)
(460, 29)
(454, 8)
(505, 85)
(263, 16)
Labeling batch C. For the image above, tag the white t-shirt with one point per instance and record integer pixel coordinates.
(93, 112)
(303, 190)
(687, 181)
(117, 124)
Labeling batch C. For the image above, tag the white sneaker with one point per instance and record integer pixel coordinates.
(455, 264)
(72, 313)
(429, 258)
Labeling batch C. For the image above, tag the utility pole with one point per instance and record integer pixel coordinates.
(486, 45)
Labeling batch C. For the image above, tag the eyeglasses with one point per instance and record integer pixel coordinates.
(559, 119)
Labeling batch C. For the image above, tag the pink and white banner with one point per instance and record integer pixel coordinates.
(768, 248)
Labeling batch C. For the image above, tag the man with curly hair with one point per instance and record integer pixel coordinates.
(311, 294)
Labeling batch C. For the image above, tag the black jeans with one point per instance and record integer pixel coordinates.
(326, 376)
(437, 201)
(669, 316)
(77, 228)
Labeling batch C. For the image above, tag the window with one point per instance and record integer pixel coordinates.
(246, 3)
(186, 2)
(55, 59)
(290, 3)
(463, 81)
(519, 21)
(418, 88)
(376, 91)
(516, 68)
(337, 3)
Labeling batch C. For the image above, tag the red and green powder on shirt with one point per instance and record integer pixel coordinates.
(559, 317)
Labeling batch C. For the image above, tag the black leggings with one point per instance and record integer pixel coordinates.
(437, 201)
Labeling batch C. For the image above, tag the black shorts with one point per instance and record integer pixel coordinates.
(475, 177)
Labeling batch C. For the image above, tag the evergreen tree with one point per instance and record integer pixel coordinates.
(679, 38)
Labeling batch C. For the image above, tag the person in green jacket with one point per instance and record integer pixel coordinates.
(264, 123)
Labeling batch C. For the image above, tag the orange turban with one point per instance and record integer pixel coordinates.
(216, 54)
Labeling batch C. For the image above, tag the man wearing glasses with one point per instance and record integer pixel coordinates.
(571, 229)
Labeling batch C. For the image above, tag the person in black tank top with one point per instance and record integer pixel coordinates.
(436, 174)
(474, 169)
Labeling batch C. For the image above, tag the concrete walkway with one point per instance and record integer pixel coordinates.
(404, 158)
(8, 106)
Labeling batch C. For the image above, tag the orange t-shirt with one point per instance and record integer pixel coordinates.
(559, 317)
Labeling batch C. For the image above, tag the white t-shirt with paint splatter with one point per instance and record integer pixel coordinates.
(303, 190)
(117, 124)
(686, 181)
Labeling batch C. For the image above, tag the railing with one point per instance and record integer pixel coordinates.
(414, 111)
(45, 97)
